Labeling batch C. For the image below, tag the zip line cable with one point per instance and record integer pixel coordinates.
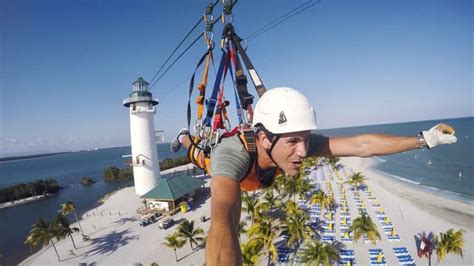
(175, 49)
(282, 19)
(179, 45)
(180, 55)
(176, 60)
(252, 36)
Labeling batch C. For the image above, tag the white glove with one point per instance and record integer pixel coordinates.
(439, 134)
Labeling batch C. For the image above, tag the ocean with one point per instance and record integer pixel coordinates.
(446, 170)
(449, 173)
(67, 169)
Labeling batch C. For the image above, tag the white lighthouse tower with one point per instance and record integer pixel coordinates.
(146, 168)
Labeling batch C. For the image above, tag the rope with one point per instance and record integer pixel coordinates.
(282, 19)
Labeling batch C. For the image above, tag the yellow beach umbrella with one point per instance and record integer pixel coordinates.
(344, 210)
(344, 221)
(330, 226)
(381, 209)
(394, 232)
(346, 235)
(329, 216)
(348, 263)
(387, 220)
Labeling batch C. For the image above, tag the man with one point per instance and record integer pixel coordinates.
(283, 121)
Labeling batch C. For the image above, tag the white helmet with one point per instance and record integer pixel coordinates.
(284, 110)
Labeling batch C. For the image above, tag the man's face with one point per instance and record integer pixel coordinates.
(290, 150)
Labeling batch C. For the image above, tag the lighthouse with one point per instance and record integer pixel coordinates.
(146, 168)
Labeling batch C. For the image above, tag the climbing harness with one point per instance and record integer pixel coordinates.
(212, 125)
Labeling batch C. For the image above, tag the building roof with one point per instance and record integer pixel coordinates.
(140, 80)
(173, 188)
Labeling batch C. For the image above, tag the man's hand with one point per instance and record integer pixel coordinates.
(439, 134)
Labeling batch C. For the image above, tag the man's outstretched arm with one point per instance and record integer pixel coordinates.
(222, 245)
(368, 145)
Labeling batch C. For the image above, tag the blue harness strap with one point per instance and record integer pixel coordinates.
(211, 104)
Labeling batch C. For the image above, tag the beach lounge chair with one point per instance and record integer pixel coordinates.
(377, 257)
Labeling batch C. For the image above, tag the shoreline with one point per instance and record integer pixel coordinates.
(25, 200)
(116, 237)
(444, 193)
(453, 210)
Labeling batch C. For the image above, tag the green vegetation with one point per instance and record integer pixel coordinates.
(35, 188)
(43, 232)
(186, 232)
(87, 180)
(114, 173)
(449, 242)
(364, 226)
(169, 163)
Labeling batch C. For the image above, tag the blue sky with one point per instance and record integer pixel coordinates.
(66, 66)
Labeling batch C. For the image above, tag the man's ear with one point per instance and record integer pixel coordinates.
(264, 141)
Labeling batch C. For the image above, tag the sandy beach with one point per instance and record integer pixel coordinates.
(117, 239)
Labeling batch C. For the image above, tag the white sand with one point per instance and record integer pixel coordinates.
(411, 212)
(119, 240)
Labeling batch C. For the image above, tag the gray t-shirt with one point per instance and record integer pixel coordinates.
(230, 158)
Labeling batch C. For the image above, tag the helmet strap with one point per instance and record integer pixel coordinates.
(269, 151)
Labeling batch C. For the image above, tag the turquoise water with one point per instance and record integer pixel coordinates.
(440, 177)
(68, 169)
(446, 170)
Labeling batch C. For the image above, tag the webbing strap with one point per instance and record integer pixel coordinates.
(191, 85)
(238, 107)
(257, 82)
(202, 87)
(211, 104)
(221, 112)
(246, 99)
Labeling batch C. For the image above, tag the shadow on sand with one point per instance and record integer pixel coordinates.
(125, 220)
(109, 243)
(200, 246)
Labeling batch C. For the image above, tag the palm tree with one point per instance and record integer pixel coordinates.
(271, 201)
(332, 161)
(174, 241)
(251, 251)
(297, 228)
(242, 229)
(320, 253)
(291, 208)
(267, 230)
(356, 179)
(449, 242)
(364, 226)
(251, 205)
(41, 233)
(62, 226)
(187, 231)
(323, 199)
(69, 207)
(309, 163)
(279, 184)
(296, 186)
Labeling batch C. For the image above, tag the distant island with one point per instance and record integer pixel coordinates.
(87, 180)
(22, 157)
(31, 191)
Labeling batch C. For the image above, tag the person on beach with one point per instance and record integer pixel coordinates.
(282, 122)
